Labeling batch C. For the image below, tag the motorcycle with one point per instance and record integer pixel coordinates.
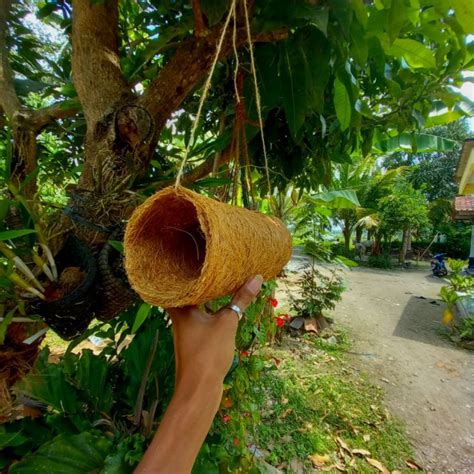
(438, 267)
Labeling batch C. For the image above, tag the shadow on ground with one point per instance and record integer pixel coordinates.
(421, 321)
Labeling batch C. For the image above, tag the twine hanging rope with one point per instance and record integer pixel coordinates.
(205, 92)
(207, 85)
(257, 96)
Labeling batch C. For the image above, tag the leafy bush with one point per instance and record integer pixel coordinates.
(380, 261)
(456, 266)
(466, 329)
(461, 282)
(106, 403)
(318, 292)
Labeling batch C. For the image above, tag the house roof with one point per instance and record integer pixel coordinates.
(464, 207)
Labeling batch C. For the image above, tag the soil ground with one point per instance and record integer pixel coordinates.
(394, 319)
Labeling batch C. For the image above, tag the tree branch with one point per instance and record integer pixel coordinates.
(187, 67)
(96, 70)
(199, 26)
(8, 98)
(43, 117)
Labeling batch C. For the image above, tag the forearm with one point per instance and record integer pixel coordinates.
(183, 428)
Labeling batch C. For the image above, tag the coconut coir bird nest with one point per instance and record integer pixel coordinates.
(182, 248)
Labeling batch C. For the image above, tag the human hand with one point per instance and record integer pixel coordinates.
(204, 343)
(204, 348)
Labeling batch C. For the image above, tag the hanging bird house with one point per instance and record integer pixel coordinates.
(182, 248)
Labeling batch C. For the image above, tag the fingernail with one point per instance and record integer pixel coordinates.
(255, 284)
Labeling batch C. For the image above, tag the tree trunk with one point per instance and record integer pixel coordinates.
(358, 234)
(347, 232)
(403, 250)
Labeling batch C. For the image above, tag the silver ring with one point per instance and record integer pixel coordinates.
(235, 308)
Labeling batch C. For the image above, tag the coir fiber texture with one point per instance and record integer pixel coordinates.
(182, 248)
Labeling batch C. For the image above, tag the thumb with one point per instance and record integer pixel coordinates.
(246, 293)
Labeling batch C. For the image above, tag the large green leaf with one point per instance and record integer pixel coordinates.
(420, 142)
(67, 454)
(464, 10)
(342, 104)
(337, 199)
(415, 53)
(396, 18)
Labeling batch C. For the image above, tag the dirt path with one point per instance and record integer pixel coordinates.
(429, 383)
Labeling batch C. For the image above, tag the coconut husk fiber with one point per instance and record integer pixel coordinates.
(183, 249)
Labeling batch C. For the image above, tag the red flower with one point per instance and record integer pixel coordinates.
(286, 316)
(236, 441)
(244, 354)
(226, 419)
(280, 322)
(273, 302)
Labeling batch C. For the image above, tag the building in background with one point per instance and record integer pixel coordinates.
(464, 202)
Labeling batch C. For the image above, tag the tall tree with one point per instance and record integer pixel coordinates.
(404, 210)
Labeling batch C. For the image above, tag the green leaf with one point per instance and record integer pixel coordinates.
(116, 244)
(337, 199)
(443, 119)
(464, 10)
(46, 10)
(142, 314)
(11, 440)
(360, 11)
(49, 385)
(359, 45)
(397, 16)
(342, 104)
(66, 454)
(423, 143)
(294, 98)
(4, 325)
(416, 54)
(92, 378)
(14, 234)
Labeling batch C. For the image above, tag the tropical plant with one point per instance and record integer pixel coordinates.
(456, 266)
(318, 292)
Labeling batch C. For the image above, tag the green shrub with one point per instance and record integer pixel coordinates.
(456, 266)
(466, 328)
(380, 261)
(318, 292)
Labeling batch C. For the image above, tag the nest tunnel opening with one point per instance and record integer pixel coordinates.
(173, 241)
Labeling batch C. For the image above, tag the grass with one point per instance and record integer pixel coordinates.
(315, 403)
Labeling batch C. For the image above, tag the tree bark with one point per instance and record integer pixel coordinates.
(96, 70)
(347, 232)
(8, 98)
(403, 250)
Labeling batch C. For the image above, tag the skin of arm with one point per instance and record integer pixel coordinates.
(204, 349)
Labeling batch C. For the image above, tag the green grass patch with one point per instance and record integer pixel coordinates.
(315, 402)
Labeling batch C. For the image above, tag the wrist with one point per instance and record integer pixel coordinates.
(208, 386)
